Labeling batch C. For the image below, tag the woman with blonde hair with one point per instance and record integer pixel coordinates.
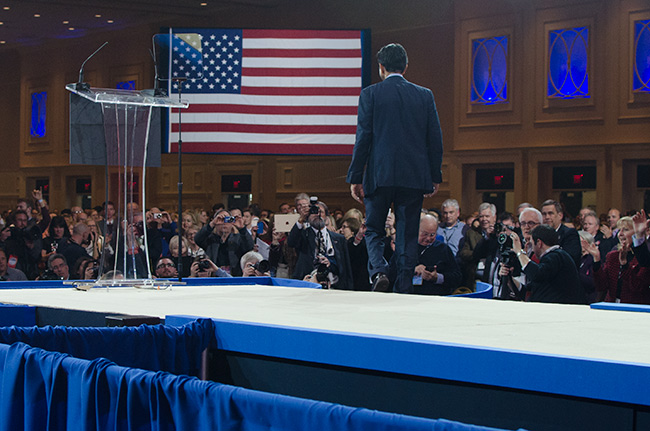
(190, 218)
(621, 275)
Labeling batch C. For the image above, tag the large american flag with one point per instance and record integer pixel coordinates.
(269, 92)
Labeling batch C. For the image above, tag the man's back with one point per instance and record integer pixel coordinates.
(555, 279)
(398, 137)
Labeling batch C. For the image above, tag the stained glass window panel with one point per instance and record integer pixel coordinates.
(126, 85)
(490, 70)
(641, 79)
(568, 74)
(37, 129)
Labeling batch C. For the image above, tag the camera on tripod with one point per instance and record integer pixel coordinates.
(508, 256)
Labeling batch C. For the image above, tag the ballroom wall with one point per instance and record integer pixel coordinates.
(528, 134)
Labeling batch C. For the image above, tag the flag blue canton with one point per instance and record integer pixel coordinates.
(221, 63)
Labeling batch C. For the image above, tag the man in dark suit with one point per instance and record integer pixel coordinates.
(398, 155)
(315, 244)
(569, 240)
(555, 278)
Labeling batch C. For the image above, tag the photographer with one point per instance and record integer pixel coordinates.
(495, 249)
(161, 221)
(529, 218)
(204, 267)
(320, 249)
(23, 245)
(254, 265)
(58, 267)
(222, 242)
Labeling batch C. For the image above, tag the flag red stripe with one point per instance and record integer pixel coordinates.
(240, 148)
(303, 129)
(301, 91)
(270, 110)
(267, 71)
(301, 34)
(302, 53)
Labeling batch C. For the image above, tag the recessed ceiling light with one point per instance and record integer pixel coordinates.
(66, 22)
(1, 23)
(110, 21)
(37, 15)
(204, 4)
(2, 42)
(6, 8)
(98, 16)
(71, 28)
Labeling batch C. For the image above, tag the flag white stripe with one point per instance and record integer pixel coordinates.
(283, 120)
(300, 81)
(279, 43)
(255, 100)
(263, 138)
(301, 63)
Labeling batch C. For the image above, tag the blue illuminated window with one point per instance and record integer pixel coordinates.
(126, 85)
(37, 129)
(568, 73)
(641, 56)
(490, 70)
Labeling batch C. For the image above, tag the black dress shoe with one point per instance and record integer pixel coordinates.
(380, 283)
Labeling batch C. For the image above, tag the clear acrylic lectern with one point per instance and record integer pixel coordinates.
(127, 120)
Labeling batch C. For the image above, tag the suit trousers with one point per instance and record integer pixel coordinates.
(407, 206)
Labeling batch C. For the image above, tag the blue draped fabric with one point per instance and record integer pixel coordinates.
(156, 348)
(48, 390)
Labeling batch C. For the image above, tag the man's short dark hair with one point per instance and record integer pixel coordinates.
(17, 212)
(506, 216)
(556, 204)
(393, 57)
(28, 202)
(546, 234)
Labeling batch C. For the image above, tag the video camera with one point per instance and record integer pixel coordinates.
(31, 233)
(508, 256)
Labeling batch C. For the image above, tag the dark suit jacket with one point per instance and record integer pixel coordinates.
(570, 242)
(554, 279)
(439, 255)
(304, 241)
(399, 142)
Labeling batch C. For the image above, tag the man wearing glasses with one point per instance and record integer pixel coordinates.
(529, 219)
(165, 268)
(437, 272)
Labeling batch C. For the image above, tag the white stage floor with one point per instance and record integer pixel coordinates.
(562, 330)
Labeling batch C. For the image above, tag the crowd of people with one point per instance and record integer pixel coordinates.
(536, 255)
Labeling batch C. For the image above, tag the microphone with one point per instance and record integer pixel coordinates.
(81, 85)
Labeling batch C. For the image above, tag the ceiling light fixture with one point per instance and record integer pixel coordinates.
(37, 15)
(71, 28)
(66, 22)
(110, 21)
(2, 42)
(98, 16)
(204, 4)
(6, 8)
